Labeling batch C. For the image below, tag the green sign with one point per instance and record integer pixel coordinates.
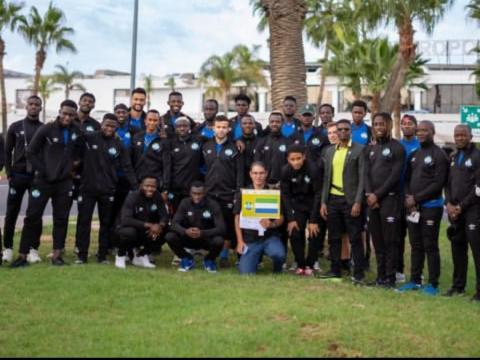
(471, 115)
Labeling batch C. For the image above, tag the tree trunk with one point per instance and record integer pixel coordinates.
(148, 101)
(39, 62)
(226, 96)
(2, 89)
(396, 117)
(67, 91)
(375, 103)
(44, 110)
(406, 55)
(287, 57)
(323, 76)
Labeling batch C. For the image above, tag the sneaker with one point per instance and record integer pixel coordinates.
(19, 262)
(176, 260)
(400, 277)
(146, 262)
(210, 266)
(430, 290)
(7, 255)
(316, 266)
(80, 261)
(33, 257)
(121, 262)
(329, 275)
(300, 272)
(151, 258)
(284, 267)
(58, 261)
(358, 281)
(409, 286)
(476, 297)
(137, 261)
(309, 271)
(103, 262)
(186, 264)
(454, 292)
(294, 266)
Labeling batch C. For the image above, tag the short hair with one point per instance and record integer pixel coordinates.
(36, 97)
(344, 121)
(221, 118)
(243, 97)
(89, 95)
(250, 116)
(212, 101)
(109, 116)
(153, 111)
(148, 176)
(69, 103)
(296, 148)
(182, 118)
(290, 98)
(139, 90)
(331, 124)
(360, 103)
(412, 118)
(429, 123)
(121, 107)
(384, 115)
(276, 113)
(464, 126)
(329, 106)
(197, 184)
(258, 163)
(174, 93)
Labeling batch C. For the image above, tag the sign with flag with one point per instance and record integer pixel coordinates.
(261, 204)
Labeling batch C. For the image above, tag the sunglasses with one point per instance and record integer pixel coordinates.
(343, 129)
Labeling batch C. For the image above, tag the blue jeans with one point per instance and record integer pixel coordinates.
(272, 247)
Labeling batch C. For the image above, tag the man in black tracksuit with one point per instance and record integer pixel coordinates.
(19, 172)
(301, 188)
(147, 150)
(143, 221)
(383, 170)
(53, 152)
(168, 120)
(463, 207)
(272, 149)
(250, 141)
(182, 158)
(197, 224)
(224, 174)
(242, 106)
(102, 155)
(427, 172)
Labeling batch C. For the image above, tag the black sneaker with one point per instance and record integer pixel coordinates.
(20, 262)
(476, 297)
(58, 261)
(454, 292)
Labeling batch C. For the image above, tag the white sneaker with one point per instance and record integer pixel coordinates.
(7, 255)
(121, 262)
(146, 263)
(294, 266)
(33, 257)
(400, 277)
(316, 266)
(137, 261)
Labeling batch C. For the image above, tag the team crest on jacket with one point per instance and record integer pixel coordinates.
(386, 152)
(207, 214)
(364, 135)
(315, 141)
(190, 213)
(74, 136)
(112, 151)
(195, 146)
(55, 140)
(170, 196)
(153, 207)
(307, 179)
(282, 148)
(266, 148)
(13, 191)
(36, 194)
(89, 128)
(468, 163)
(428, 160)
(94, 146)
(156, 146)
(127, 135)
(372, 153)
(229, 152)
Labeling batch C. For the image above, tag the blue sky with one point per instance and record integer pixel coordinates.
(175, 36)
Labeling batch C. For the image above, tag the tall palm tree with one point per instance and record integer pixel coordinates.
(46, 86)
(148, 85)
(250, 67)
(43, 33)
(9, 18)
(287, 57)
(171, 83)
(403, 14)
(64, 77)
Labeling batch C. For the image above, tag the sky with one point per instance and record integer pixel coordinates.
(175, 36)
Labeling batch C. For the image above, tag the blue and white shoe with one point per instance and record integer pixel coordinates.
(409, 286)
(210, 266)
(430, 290)
(186, 264)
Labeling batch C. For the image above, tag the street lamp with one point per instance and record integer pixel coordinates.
(133, 70)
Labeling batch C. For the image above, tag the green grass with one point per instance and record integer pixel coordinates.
(97, 310)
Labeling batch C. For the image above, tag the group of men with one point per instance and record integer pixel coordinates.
(159, 179)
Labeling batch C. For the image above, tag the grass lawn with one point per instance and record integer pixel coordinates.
(97, 310)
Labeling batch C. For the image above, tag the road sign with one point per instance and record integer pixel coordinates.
(470, 115)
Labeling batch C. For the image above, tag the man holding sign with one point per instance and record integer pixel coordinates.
(256, 235)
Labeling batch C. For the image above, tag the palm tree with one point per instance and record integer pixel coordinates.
(250, 67)
(66, 78)
(171, 83)
(43, 33)
(473, 9)
(474, 12)
(403, 13)
(148, 84)
(287, 57)
(9, 18)
(46, 86)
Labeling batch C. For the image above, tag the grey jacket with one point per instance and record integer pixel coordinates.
(353, 174)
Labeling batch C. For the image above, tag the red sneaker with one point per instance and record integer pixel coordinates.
(309, 271)
(300, 272)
